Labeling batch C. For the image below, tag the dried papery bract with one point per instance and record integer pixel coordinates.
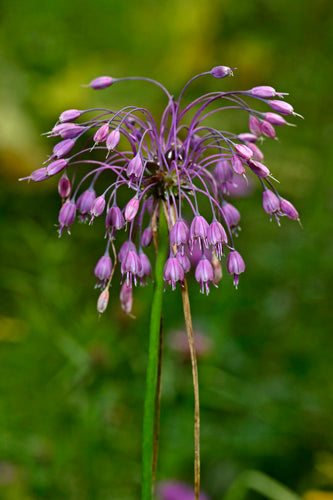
(181, 164)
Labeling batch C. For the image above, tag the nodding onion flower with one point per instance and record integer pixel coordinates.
(179, 160)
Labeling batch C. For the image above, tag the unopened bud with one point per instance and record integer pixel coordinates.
(221, 71)
(102, 82)
(103, 300)
(69, 115)
(131, 209)
(64, 187)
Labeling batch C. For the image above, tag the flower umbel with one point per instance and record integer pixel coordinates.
(180, 160)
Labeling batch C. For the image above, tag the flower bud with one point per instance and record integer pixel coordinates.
(243, 151)
(254, 125)
(134, 168)
(85, 201)
(282, 107)
(69, 115)
(147, 237)
(102, 82)
(145, 267)
(270, 202)
(131, 209)
(223, 172)
(257, 153)
(67, 130)
(237, 165)
(114, 218)
(37, 175)
(248, 137)
(259, 168)
(63, 148)
(231, 215)
(126, 298)
(56, 166)
(64, 187)
(101, 134)
(288, 209)
(103, 270)
(221, 71)
(113, 139)
(265, 92)
(103, 300)
(275, 119)
(97, 208)
(268, 129)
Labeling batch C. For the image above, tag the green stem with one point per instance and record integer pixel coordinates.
(149, 416)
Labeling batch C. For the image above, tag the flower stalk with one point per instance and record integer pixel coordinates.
(150, 426)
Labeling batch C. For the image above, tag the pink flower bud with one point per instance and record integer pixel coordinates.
(103, 300)
(243, 151)
(98, 207)
(113, 139)
(221, 71)
(102, 133)
(268, 129)
(134, 167)
(131, 209)
(63, 148)
(259, 168)
(254, 125)
(248, 137)
(147, 237)
(265, 92)
(69, 115)
(257, 153)
(237, 165)
(56, 166)
(282, 107)
(223, 172)
(275, 119)
(64, 187)
(102, 82)
(288, 209)
(126, 298)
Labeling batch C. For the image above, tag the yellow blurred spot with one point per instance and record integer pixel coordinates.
(11, 329)
(318, 495)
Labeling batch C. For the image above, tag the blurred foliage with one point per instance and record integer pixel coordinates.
(71, 385)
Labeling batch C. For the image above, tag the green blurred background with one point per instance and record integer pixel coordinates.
(71, 385)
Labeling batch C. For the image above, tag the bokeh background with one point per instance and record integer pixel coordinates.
(71, 385)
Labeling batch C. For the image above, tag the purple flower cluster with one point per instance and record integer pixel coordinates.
(179, 161)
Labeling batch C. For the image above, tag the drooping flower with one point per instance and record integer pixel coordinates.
(178, 163)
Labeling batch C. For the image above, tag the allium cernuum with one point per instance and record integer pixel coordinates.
(178, 161)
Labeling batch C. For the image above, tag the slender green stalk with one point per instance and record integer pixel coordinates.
(261, 483)
(149, 417)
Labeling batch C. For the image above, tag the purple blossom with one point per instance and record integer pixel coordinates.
(173, 272)
(180, 162)
(103, 270)
(176, 490)
(204, 274)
